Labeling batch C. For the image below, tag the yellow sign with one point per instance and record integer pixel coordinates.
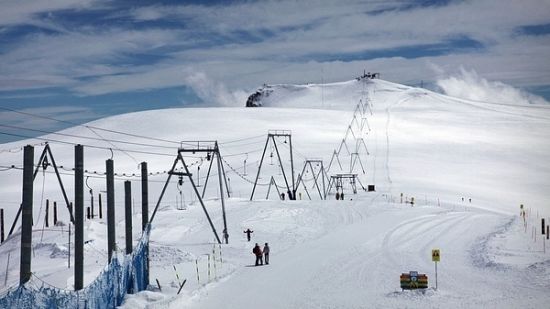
(435, 255)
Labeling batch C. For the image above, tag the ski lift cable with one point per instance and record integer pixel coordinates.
(115, 146)
(88, 126)
(89, 146)
(87, 137)
(242, 153)
(241, 139)
(87, 173)
(293, 149)
(6, 167)
(19, 149)
(241, 175)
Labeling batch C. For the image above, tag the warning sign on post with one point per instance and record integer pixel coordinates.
(435, 255)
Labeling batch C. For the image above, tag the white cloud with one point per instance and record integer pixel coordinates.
(288, 34)
(213, 92)
(469, 85)
(16, 12)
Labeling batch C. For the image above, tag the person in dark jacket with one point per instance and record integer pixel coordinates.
(266, 254)
(258, 252)
(248, 232)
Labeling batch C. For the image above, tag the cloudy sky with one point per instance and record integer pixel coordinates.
(82, 59)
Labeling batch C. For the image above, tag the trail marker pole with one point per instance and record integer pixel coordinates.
(197, 266)
(435, 259)
(214, 259)
(208, 267)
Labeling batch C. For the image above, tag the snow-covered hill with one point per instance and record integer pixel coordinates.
(467, 164)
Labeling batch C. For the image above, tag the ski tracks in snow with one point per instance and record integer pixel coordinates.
(387, 132)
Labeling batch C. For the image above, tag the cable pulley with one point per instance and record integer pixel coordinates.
(45, 163)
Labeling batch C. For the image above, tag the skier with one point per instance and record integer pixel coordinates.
(258, 252)
(248, 232)
(337, 195)
(342, 196)
(266, 254)
(282, 196)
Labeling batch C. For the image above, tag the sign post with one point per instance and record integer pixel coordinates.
(543, 241)
(435, 259)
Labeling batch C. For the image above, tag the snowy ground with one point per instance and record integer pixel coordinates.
(325, 254)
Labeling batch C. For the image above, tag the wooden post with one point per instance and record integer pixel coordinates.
(47, 213)
(69, 248)
(128, 215)
(1, 225)
(145, 209)
(111, 238)
(100, 207)
(144, 196)
(54, 213)
(26, 220)
(79, 218)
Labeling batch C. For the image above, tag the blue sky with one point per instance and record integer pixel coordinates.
(85, 59)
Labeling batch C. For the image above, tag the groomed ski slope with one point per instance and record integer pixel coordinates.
(332, 254)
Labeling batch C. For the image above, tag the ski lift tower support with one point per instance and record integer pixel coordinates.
(43, 163)
(322, 173)
(271, 134)
(338, 181)
(213, 153)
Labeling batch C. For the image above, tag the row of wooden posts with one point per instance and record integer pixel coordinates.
(89, 215)
(27, 213)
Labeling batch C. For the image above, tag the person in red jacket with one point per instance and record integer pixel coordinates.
(259, 254)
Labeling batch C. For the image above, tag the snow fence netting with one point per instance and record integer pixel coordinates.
(125, 274)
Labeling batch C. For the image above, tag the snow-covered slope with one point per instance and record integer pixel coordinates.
(331, 253)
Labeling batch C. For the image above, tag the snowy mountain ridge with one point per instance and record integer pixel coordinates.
(468, 165)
